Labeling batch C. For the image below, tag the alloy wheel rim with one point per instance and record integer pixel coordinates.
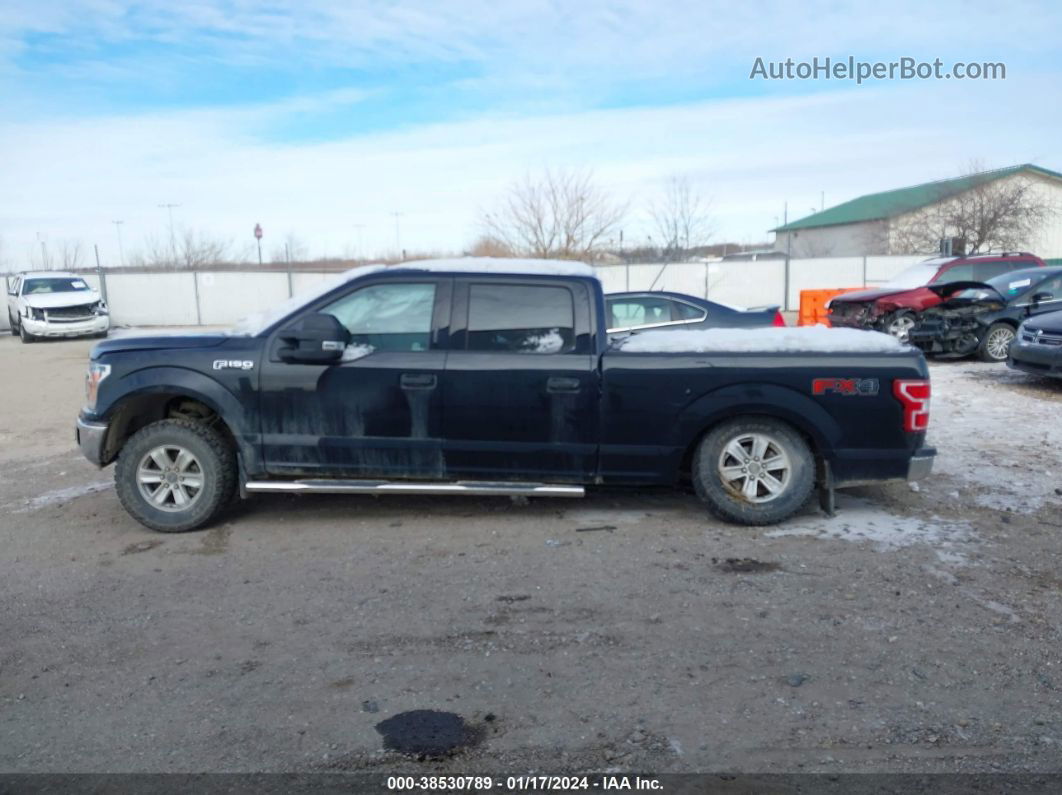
(170, 478)
(999, 341)
(901, 327)
(755, 467)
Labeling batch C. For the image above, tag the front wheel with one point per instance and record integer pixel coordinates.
(175, 475)
(24, 335)
(753, 471)
(900, 325)
(995, 345)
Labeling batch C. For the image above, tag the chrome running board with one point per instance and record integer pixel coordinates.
(468, 488)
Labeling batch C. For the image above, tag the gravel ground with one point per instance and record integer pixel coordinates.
(916, 631)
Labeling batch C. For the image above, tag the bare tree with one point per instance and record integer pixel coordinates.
(293, 249)
(69, 254)
(560, 214)
(188, 249)
(680, 219)
(1005, 213)
(487, 246)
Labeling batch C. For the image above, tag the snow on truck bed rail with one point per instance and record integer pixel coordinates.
(801, 339)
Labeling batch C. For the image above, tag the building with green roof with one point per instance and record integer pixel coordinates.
(906, 220)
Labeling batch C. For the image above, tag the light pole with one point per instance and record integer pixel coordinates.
(173, 240)
(258, 237)
(118, 229)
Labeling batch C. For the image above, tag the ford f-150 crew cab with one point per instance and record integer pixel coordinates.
(495, 377)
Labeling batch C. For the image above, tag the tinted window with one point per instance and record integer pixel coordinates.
(960, 273)
(388, 317)
(681, 311)
(638, 311)
(983, 271)
(520, 319)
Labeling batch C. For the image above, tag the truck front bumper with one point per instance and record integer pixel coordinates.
(921, 463)
(91, 438)
(79, 328)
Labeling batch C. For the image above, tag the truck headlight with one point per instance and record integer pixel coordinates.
(100, 308)
(93, 378)
(38, 314)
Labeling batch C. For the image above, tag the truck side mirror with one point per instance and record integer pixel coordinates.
(314, 339)
(1039, 298)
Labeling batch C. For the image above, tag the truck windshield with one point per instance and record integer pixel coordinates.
(54, 285)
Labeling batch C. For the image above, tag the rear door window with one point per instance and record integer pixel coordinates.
(639, 311)
(983, 271)
(520, 319)
(682, 311)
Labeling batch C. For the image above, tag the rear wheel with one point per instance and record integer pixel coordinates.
(175, 475)
(995, 345)
(753, 471)
(900, 324)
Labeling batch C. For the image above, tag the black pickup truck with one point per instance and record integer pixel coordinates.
(495, 377)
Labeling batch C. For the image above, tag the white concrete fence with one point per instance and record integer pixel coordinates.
(188, 298)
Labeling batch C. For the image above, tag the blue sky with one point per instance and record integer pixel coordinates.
(320, 119)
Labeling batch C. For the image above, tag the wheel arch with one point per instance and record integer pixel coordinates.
(157, 395)
(803, 415)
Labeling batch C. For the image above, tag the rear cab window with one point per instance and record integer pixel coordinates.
(515, 318)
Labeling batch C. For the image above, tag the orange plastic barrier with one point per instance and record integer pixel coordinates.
(813, 305)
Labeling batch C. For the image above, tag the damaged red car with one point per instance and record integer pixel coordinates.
(897, 305)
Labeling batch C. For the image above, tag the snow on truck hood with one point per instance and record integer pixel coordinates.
(801, 339)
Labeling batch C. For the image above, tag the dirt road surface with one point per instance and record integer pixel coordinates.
(916, 631)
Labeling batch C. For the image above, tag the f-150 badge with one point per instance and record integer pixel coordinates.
(863, 387)
(233, 364)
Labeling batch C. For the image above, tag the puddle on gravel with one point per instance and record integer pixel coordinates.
(428, 733)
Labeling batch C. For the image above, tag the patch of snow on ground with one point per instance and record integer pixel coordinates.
(794, 339)
(860, 520)
(59, 496)
(997, 434)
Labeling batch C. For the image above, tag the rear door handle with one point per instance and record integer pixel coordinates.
(418, 381)
(560, 384)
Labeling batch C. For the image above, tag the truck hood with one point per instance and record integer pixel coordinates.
(157, 342)
(55, 300)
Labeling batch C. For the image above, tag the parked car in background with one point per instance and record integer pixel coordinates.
(895, 307)
(1037, 349)
(53, 304)
(983, 317)
(661, 310)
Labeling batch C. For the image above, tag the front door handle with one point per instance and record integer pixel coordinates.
(560, 384)
(418, 380)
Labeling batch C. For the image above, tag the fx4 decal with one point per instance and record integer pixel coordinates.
(863, 387)
(233, 364)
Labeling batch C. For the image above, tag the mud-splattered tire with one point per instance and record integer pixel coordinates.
(175, 475)
(753, 471)
(995, 345)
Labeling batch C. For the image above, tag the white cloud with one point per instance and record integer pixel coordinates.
(748, 155)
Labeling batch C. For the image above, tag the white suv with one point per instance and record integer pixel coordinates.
(55, 305)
